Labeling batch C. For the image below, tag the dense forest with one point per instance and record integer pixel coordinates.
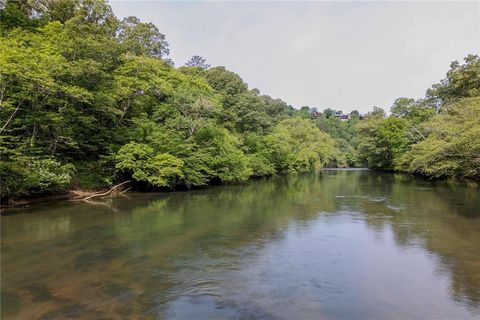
(88, 100)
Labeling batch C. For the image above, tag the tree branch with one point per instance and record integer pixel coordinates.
(95, 195)
(10, 118)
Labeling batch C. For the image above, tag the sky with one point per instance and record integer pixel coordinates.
(335, 54)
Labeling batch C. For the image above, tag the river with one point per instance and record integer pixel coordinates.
(339, 244)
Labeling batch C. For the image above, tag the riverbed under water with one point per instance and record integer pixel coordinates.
(338, 244)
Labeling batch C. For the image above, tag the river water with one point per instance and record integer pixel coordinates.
(340, 244)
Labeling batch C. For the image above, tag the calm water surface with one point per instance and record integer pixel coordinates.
(333, 245)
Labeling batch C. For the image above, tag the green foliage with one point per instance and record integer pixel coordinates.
(401, 107)
(344, 156)
(345, 135)
(227, 82)
(93, 175)
(22, 176)
(142, 38)
(417, 139)
(462, 81)
(381, 141)
(19, 14)
(251, 115)
(260, 165)
(143, 164)
(222, 155)
(297, 145)
(452, 148)
(78, 86)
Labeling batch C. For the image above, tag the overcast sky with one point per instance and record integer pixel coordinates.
(342, 55)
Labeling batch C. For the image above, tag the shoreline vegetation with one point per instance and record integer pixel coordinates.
(89, 101)
(78, 195)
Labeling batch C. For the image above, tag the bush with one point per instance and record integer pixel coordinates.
(29, 176)
(143, 164)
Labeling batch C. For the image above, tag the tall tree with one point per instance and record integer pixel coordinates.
(141, 38)
(198, 62)
(462, 81)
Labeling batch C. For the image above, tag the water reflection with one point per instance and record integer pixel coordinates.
(337, 244)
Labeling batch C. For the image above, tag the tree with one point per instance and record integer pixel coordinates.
(227, 82)
(142, 38)
(144, 165)
(462, 81)
(137, 83)
(452, 148)
(60, 10)
(401, 107)
(21, 14)
(223, 157)
(328, 112)
(87, 99)
(195, 104)
(198, 62)
(355, 114)
(94, 17)
(276, 109)
(250, 114)
(377, 112)
(297, 145)
(381, 141)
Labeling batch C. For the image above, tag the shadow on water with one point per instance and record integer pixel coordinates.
(307, 246)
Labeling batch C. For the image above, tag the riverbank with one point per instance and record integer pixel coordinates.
(79, 194)
(75, 194)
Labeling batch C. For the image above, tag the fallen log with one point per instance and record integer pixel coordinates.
(125, 190)
(102, 194)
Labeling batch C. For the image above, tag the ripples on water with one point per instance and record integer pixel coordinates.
(334, 245)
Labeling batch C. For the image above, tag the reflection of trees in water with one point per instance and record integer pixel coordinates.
(197, 231)
(152, 244)
(436, 215)
(442, 216)
(246, 210)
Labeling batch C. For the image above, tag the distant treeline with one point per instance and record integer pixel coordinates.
(88, 100)
(438, 136)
